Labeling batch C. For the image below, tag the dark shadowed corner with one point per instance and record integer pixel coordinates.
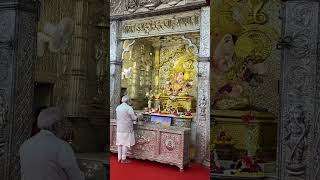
(55, 53)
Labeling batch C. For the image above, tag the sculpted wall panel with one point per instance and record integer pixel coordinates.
(161, 25)
(6, 56)
(23, 112)
(299, 138)
(128, 7)
(17, 45)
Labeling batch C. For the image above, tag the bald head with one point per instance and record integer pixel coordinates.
(125, 99)
(49, 117)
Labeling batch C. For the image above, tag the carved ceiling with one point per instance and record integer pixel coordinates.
(127, 7)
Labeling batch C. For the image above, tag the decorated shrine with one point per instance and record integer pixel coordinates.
(161, 60)
(160, 75)
(245, 73)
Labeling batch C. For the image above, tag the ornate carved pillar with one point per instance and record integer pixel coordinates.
(156, 67)
(115, 67)
(299, 127)
(155, 74)
(18, 24)
(203, 105)
(77, 91)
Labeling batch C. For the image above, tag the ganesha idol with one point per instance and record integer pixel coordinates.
(181, 77)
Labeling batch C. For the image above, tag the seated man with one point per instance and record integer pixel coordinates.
(45, 156)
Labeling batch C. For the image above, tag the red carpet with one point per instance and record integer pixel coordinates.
(147, 170)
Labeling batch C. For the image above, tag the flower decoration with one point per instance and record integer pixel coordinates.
(248, 164)
(248, 119)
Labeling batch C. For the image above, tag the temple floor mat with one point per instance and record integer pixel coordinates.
(139, 169)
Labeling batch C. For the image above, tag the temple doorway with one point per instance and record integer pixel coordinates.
(43, 94)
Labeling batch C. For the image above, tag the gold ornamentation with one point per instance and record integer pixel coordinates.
(181, 69)
(174, 103)
(255, 42)
(241, 40)
(256, 16)
(181, 76)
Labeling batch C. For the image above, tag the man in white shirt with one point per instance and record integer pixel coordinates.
(125, 134)
(45, 156)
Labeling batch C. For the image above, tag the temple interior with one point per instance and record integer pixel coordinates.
(228, 85)
(161, 73)
(165, 72)
(160, 70)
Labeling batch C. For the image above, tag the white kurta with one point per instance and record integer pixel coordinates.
(125, 118)
(46, 157)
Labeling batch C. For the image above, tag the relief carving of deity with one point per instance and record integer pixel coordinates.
(296, 139)
(202, 105)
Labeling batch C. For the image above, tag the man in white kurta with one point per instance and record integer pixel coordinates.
(45, 156)
(125, 134)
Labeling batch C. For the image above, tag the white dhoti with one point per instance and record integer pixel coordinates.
(125, 139)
